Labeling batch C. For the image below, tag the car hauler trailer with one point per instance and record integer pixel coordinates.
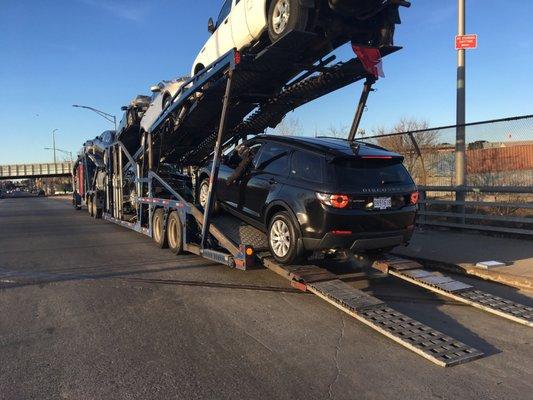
(88, 173)
(235, 97)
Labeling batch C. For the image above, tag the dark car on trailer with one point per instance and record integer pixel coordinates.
(317, 195)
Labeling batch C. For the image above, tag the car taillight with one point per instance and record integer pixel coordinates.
(414, 198)
(333, 200)
(237, 57)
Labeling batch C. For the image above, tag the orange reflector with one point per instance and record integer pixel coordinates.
(249, 251)
(414, 197)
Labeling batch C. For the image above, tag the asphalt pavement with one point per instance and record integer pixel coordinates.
(91, 310)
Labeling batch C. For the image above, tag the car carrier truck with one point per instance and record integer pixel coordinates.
(154, 190)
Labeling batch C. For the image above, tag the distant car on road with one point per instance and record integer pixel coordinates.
(162, 95)
(244, 23)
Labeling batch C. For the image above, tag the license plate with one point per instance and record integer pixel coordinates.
(382, 203)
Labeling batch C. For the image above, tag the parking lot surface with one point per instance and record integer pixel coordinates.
(90, 310)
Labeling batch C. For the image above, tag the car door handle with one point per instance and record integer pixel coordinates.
(272, 181)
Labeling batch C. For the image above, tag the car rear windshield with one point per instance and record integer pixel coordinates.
(355, 173)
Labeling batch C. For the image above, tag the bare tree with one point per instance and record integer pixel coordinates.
(426, 140)
(289, 126)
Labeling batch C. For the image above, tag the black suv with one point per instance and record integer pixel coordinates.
(317, 194)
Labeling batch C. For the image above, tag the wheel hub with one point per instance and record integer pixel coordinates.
(280, 18)
(280, 239)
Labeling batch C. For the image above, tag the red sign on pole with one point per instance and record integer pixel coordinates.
(465, 42)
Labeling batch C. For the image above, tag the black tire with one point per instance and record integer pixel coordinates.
(276, 230)
(280, 22)
(158, 231)
(202, 193)
(175, 233)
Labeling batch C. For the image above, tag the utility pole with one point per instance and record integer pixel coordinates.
(460, 145)
(54, 144)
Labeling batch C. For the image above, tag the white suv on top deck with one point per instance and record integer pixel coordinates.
(242, 23)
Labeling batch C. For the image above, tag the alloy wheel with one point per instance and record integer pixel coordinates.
(280, 18)
(280, 239)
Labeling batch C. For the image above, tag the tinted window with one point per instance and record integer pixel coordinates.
(224, 12)
(274, 158)
(307, 166)
(357, 173)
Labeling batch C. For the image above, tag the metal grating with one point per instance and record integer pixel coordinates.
(434, 345)
(465, 293)
(498, 303)
(240, 232)
(423, 340)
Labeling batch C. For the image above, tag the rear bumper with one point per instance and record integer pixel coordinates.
(361, 241)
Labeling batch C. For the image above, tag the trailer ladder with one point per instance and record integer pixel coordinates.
(427, 342)
(413, 272)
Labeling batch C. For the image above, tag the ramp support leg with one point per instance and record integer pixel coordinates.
(216, 162)
(361, 107)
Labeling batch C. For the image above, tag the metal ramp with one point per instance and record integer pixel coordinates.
(264, 88)
(413, 272)
(239, 232)
(427, 342)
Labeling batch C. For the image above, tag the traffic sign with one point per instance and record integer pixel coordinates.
(465, 42)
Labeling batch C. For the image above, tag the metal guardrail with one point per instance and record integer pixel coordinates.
(21, 171)
(483, 210)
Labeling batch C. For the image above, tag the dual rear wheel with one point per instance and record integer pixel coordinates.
(169, 233)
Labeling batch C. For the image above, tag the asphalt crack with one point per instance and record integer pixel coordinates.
(336, 359)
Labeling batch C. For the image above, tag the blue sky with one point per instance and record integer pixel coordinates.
(102, 53)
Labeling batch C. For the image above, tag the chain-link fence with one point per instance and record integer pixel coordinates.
(498, 153)
(499, 173)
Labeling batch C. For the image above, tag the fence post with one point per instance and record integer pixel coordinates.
(422, 208)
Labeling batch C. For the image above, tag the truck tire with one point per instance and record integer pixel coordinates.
(175, 233)
(285, 16)
(94, 212)
(90, 205)
(158, 231)
(283, 238)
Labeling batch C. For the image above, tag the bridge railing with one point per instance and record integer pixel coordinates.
(21, 171)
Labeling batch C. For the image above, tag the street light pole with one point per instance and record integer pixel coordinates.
(460, 139)
(54, 143)
(109, 117)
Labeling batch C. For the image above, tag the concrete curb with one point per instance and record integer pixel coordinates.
(516, 281)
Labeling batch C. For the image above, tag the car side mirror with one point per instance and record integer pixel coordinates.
(124, 108)
(210, 26)
(155, 89)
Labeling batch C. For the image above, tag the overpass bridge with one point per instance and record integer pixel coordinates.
(44, 170)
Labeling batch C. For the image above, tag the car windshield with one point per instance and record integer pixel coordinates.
(355, 173)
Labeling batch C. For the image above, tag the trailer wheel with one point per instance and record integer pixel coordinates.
(175, 233)
(283, 238)
(90, 205)
(158, 231)
(285, 16)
